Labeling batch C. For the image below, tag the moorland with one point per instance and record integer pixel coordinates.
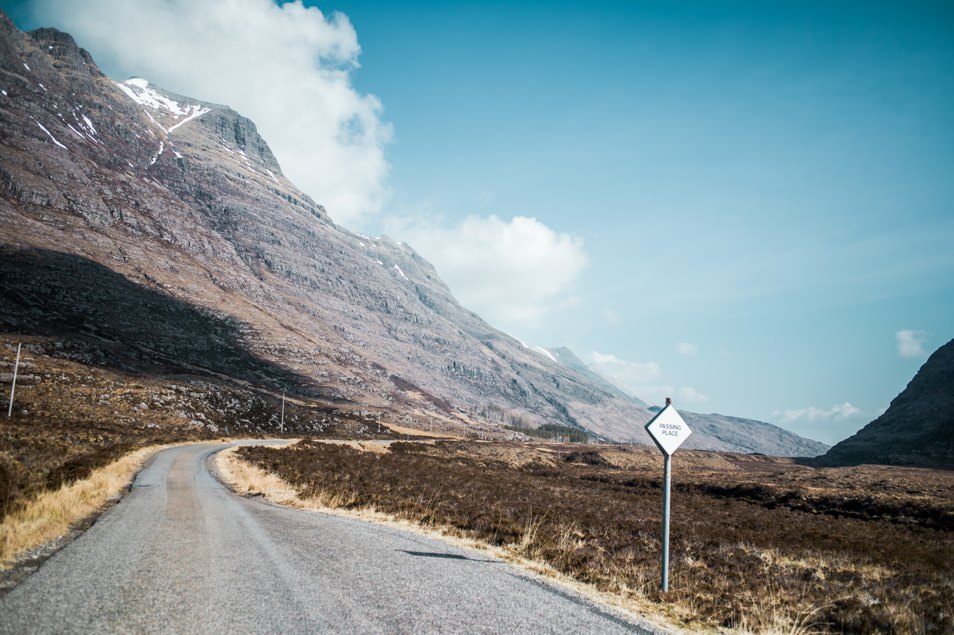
(760, 544)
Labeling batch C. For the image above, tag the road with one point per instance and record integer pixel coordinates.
(182, 554)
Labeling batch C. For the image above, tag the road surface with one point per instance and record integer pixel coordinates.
(182, 554)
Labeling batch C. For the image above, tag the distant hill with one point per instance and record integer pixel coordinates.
(916, 430)
(711, 431)
(753, 436)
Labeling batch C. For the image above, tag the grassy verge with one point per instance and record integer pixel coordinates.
(774, 547)
(247, 479)
(51, 514)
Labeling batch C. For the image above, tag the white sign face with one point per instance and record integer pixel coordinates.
(668, 430)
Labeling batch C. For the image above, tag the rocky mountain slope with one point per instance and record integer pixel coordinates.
(917, 429)
(150, 233)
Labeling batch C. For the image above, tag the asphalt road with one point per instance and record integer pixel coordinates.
(182, 554)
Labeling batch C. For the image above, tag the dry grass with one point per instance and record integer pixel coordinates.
(377, 447)
(416, 432)
(249, 480)
(51, 514)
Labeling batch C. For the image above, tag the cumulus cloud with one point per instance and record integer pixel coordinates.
(511, 272)
(911, 343)
(811, 414)
(287, 67)
(690, 395)
(623, 370)
(641, 379)
(686, 348)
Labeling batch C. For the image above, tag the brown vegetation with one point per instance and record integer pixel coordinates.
(758, 544)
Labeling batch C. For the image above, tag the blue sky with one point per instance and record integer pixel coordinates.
(747, 205)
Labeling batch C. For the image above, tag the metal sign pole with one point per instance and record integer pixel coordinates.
(668, 431)
(667, 478)
(13, 386)
(282, 424)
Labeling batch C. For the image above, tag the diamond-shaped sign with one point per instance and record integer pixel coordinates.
(668, 430)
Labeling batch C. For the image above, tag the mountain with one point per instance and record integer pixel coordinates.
(917, 429)
(150, 233)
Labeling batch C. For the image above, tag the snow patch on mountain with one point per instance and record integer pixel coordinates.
(137, 89)
(545, 352)
(198, 111)
(49, 134)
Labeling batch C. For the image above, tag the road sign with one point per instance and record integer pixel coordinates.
(668, 430)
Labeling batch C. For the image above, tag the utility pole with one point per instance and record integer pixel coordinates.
(13, 386)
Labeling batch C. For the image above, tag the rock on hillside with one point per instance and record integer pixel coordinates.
(917, 429)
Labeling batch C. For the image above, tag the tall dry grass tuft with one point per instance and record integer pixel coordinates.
(527, 546)
(780, 608)
(52, 514)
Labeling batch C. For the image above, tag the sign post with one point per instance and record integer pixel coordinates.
(668, 431)
(13, 385)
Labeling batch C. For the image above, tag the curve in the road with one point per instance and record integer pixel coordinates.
(180, 553)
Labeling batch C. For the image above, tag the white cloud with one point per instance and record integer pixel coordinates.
(686, 348)
(511, 272)
(623, 370)
(286, 67)
(811, 414)
(641, 379)
(691, 395)
(911, 343)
